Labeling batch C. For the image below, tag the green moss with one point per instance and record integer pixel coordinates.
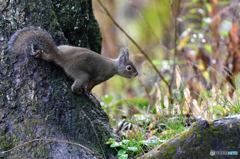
(202, 137)
(41, 150)
(16, 139)
(34, 123)
(18, 128)
(5, 142)
(3, 130)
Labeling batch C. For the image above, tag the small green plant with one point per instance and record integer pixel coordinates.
(125, 147)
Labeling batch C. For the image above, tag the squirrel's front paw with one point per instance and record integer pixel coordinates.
(78, 91)
(42, 55)
(38, 54)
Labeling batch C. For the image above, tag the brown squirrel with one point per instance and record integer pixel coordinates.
(83, 65)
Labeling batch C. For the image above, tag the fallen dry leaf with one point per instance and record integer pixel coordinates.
(151, 133)
(178, 77)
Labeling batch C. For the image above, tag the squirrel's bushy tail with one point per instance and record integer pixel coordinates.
(28, 40)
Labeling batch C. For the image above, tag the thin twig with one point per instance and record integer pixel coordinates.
(135, 43)
(42, 139)
(175, 38)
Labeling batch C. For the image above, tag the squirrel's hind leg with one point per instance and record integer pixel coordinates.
(90, 86)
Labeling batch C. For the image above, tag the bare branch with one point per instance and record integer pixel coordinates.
(175, 36)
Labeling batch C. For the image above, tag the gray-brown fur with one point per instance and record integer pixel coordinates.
(85, 66)
(25, 39)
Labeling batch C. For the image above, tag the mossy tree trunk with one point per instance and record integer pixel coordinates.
(35, 96)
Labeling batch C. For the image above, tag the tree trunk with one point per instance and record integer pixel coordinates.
(36, 100)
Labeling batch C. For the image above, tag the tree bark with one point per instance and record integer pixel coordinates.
(36, 100)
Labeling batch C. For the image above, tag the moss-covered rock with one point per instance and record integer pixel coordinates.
(200, 139)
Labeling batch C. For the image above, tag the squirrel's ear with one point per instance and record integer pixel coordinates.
(122, 59)
(127, 52)
(122, 52)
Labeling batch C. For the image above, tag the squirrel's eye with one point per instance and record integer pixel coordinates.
(129, 68)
